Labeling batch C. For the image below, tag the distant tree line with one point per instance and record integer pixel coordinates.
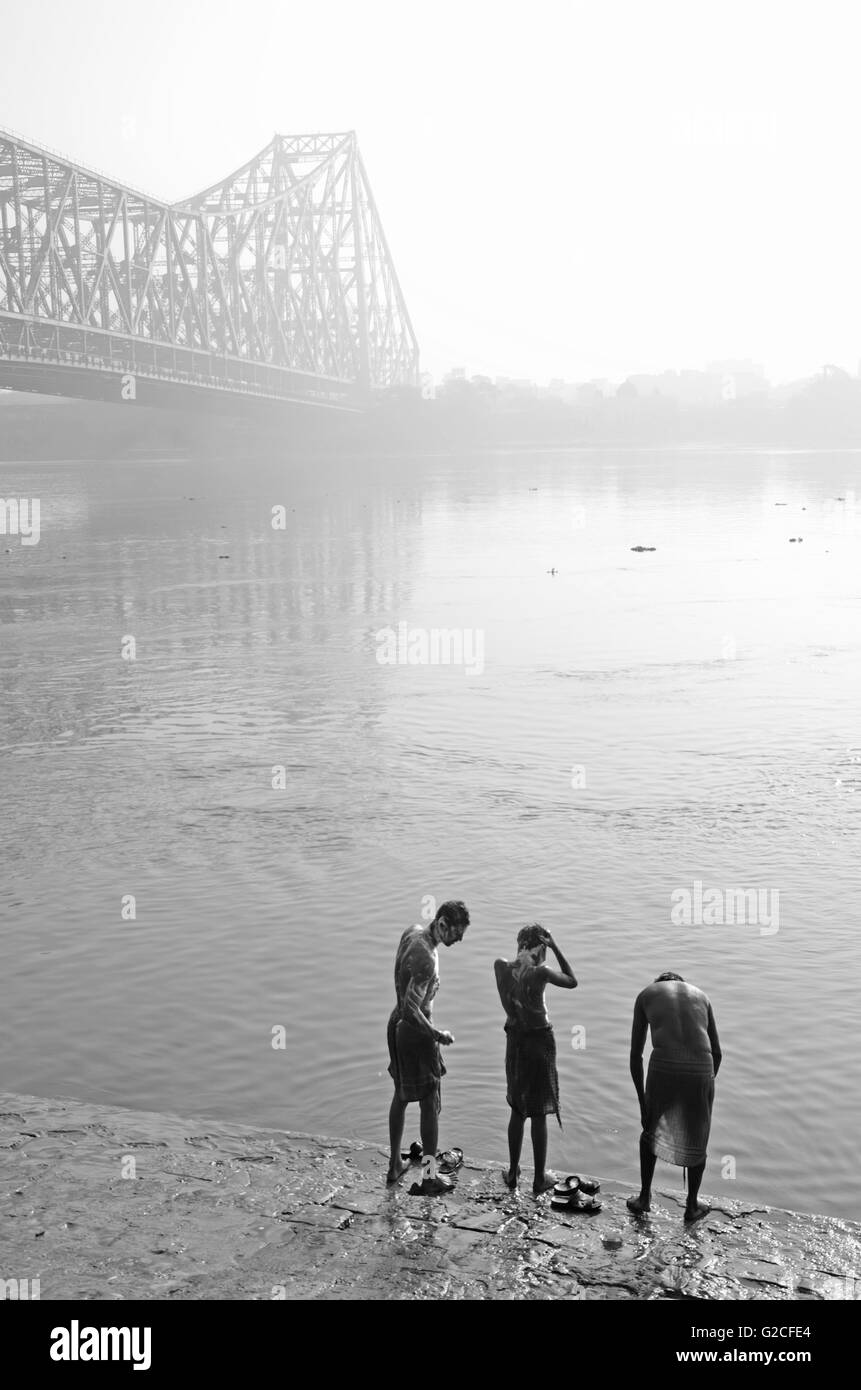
(463, 414)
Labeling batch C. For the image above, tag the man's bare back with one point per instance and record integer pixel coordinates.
(680, 1018)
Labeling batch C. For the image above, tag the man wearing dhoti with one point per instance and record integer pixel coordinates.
(676, 1103)
(415, 1064)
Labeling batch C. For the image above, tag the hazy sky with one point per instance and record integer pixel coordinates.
(569, 190)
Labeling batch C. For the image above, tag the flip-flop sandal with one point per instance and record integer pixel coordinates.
(415, 1154)
(590, 1205)
(574, 1183)
(431, 1187)
(576, 1203)
(449, 1160)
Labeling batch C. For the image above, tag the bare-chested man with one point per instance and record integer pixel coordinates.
(676, 1105)
(415, 1064)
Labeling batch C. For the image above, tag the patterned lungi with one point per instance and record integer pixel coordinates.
(530, 1071)
(415, 1064)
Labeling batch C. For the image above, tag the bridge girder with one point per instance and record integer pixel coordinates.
(281, 268)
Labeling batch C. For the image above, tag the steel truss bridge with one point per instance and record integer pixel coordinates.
(275, 284)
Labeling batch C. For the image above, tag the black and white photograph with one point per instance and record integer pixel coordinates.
(430, 664)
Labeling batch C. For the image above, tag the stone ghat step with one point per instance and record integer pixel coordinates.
(104, 1203)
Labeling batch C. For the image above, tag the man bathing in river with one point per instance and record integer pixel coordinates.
(530, 1053)
(676, 1105)
(415, 1064)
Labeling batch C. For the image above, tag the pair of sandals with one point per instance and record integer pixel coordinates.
(576, 1194)
(448, 1161)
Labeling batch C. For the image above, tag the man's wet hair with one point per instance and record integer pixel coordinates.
(531, 936)
(669, 975)
(454, 913)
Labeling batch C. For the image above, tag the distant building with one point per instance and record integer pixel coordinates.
(598, 389)
(738, 378)
(738, 367)
(721, 381)
(559, 390)
(515, 386)
(685, 387)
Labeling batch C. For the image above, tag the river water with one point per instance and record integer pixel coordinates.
(637, 724)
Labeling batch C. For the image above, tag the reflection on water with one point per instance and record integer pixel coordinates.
(644, 721)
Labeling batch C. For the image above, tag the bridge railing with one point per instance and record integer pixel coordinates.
(124, 361)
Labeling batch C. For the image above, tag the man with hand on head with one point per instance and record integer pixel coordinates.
(415, 1064)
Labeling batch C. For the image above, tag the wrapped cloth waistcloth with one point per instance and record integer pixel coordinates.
(530, 1071)
(415, 1064)
(679, 1096)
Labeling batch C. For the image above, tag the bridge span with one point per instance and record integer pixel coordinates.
(275, 285)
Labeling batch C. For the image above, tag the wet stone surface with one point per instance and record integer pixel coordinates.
(102, 1203)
